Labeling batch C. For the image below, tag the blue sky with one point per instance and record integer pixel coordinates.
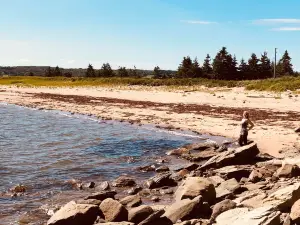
(144, 33)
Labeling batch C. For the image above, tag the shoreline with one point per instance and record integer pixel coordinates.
(274, 119)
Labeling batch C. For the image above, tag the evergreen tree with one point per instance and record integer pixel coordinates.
(106, 70)
(90, 72)
(185, 69)
(196, 69)
(285, 66)
(243, 70)
(68, 74)
(253, 68)
(122, 72)
(206, 68)
(157, 72)
(49, 72)
(265, 70)
(57, 72)
(223, 65)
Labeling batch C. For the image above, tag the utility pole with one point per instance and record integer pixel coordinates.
(275, 63)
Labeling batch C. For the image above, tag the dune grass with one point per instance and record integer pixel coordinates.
(277, 85)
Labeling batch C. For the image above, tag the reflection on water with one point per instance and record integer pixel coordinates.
(44, 149)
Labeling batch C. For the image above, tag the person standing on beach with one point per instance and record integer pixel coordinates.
(246, 126)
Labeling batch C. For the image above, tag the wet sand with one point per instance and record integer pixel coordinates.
(210, 111)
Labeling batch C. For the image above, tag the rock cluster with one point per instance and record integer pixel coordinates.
(233, 187)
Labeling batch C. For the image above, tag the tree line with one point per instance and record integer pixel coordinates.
(223, 66)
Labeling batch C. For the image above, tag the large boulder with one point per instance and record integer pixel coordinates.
(88, 201)
(221, 207)
(228, 187)
(295, 212)
(239, 156)
(102, 195)
(124, 181)
(243, 216)
(194, 147)
(195, 186)
(288, 171)
(75, 214)
(237, 172)
(155, 219)
(199, 156)
(161, 180)
(284, 198)
(184, 209)
(113, 211)
(261, 173)
(216, 180)
(251, 199)
(131, 201)
(138, 214)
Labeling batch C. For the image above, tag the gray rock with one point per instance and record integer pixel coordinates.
(153, 218)
(134, 190)
(113, 211)
(199, 156)
(138, 214)
(221, 207)
(184, 209)
(131, 201)
(288, 171)
(162, 169)
(227, 188)
(242, 155)
(75, 214)
(160, 180)
(103, 186)
(102, 195)
(295, 212)
(124, 181)
(89, 201)
(216, 180)
(237, 172)
(195, 186)
(284, 198)
(243, 216)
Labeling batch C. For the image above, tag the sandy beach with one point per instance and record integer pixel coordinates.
(210, 111)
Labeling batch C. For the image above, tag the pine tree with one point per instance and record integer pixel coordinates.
(253, 67)
(106, 70)
(49, 72)
(243, 70)
(185, 69)
(207, 68)
(265, 68)
(285, 66)
(122, 72)
(57, 72)
(90, 72)
(223, 65)
(157, 72)
(197, 71)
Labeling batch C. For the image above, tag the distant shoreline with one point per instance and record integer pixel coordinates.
(211, 111)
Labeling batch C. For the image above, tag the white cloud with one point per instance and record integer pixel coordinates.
(286, 29)
(203, 22)
(276, 21)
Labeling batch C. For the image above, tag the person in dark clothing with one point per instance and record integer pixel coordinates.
(246, 125)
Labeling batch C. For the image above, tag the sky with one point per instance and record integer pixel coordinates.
(144, 33)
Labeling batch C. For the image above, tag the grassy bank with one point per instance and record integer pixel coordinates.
(279, 84)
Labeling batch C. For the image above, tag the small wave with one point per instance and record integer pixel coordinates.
(176, 133)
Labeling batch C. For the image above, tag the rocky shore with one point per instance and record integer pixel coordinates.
(233, 186)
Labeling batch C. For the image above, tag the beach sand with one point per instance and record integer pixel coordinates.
(208, 111)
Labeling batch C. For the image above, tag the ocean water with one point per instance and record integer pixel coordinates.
(43, 150)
